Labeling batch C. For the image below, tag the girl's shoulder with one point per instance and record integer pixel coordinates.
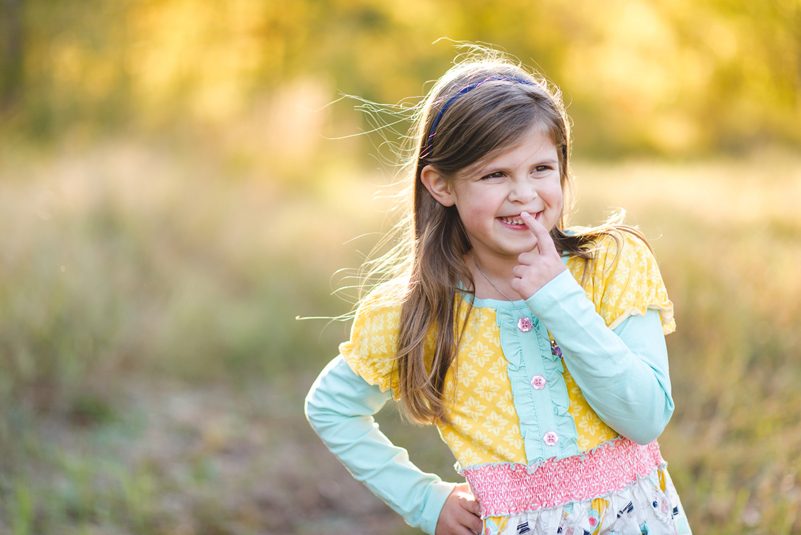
(622, 277)
(373, 340)
(617, 247)
(385, 298)
(621, 246)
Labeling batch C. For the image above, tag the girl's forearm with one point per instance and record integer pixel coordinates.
(623, 374)
(340, 408)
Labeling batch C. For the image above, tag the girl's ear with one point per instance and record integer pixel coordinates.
(437, 186)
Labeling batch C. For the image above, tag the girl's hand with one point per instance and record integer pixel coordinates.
(537, 267)
(461, 514)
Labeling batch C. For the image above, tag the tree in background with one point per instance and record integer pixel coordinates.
(11, 54)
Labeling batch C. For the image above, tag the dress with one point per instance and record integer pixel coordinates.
(548, 444)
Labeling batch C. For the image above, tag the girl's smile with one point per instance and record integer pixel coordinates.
(490, 197)
(516, 222)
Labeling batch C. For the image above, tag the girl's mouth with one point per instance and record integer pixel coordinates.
(517, 221)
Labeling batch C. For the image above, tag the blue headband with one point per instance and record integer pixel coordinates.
(461, 92)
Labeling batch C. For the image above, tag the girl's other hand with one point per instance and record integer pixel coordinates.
(461, 514)
(537, 267)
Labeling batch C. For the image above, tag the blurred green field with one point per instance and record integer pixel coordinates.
(152, 370)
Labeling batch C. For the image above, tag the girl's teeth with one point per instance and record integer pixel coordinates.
(512, 221)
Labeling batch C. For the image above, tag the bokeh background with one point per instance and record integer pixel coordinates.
(180, 179)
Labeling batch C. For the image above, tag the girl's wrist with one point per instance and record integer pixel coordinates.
(527, 287)
(559, 285)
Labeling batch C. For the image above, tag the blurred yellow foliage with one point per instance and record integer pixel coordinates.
(673, 77)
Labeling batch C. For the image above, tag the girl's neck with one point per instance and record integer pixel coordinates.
(494, 282)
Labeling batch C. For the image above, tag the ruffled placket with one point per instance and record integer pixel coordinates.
(538, 388)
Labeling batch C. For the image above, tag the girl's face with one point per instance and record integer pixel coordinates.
(491, 195)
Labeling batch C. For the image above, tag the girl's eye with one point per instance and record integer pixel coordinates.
(542, 168)
(497, 174)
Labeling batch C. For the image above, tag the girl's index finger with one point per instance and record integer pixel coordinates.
(544, 240)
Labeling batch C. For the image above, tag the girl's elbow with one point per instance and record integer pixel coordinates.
(645, 435)
(315, 409)
(649, 429)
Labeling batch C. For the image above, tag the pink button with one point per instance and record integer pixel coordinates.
(538, 382)
(551, 438)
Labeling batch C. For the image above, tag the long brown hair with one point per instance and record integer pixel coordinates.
(502, 103)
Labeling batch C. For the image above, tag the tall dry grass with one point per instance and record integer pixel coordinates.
(152, 370)
(728, 237)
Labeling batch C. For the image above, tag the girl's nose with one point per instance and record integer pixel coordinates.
(522, 191)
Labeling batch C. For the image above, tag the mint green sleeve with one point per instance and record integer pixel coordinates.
(623, 373)
(340, 407)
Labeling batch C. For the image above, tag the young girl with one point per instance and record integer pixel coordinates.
(537, 350)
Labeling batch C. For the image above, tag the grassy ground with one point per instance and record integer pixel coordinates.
(152, 371)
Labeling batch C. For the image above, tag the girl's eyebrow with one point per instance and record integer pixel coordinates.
(492, 168)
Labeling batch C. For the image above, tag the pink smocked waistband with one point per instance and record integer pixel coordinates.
(504, 489)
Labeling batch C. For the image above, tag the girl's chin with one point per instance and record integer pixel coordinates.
(513, 251)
